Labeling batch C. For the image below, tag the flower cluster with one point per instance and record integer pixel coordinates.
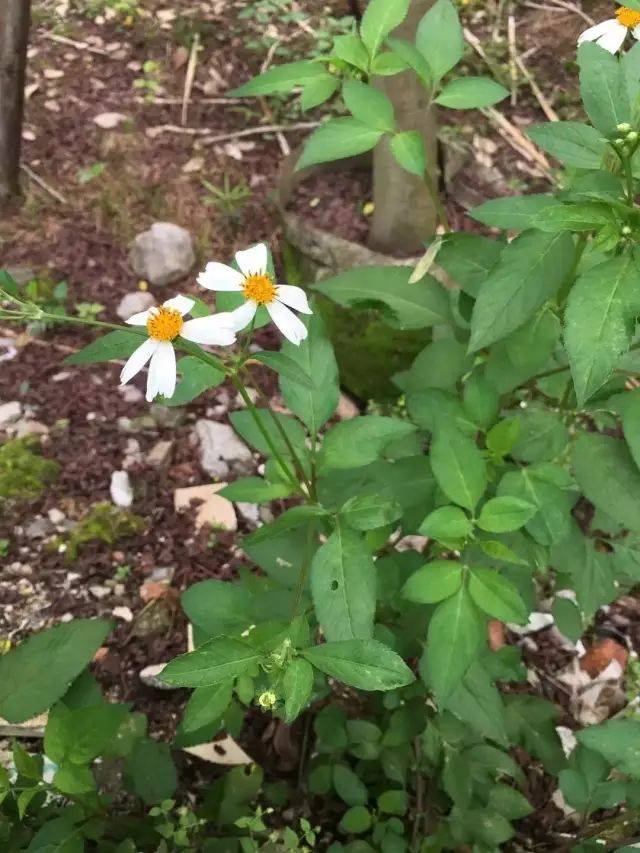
(166, 322)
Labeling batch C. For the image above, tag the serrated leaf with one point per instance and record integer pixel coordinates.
(212, 663)
(336, 139)
(572, 142)
(440, 38)
(297, 685)
(497, 596)
(379, 19)
(603, 89)
(364, 664)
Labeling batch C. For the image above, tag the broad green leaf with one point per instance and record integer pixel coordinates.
(336, 139)
(343, 586)
(531, 723)
(282, 79)
(212, 663)
(379, 19)
(524, 353)
(349, 787)
(459, 467)
(599, 322)
(583, 216)
(542, 436)
(530, 271)
(297, 516)
(567, 618)
(255, 490)
(393, 802)
(367, 512)
(357, 442)
(499, 551)
(356, 820)
(350, 48)
(286, 367)
(457, 632)
(369, 105)
(412, 57)
(408, 149)
(79, 736)
(467, 93)
(502, 515)
(456, 780)
(388, 64)
(197, 377)
(74, 780)
(513, 213)
(608, 477)
(364, 664)
(509, 802)
(502, 438)
(487, 763)
(497, 596)
(551, 489)
(297, 685)
(243, 422)
(440, 39)
(592, 571)
(440, 365)
(152, 771)
(316, 404)
(481, 400)
(603, 88)
(468, 259)
(318, 91)
(572, 142)
(631, 425)
(434, 582)
(116, 345)
(57, 835)
(206, 705)
(403, 305)
(446, 523)
(38, 672)
(477, 701)
(218, 607)
(618, 741)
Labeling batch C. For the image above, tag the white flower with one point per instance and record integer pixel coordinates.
(164, 324)
(611, 34)
(259, 288)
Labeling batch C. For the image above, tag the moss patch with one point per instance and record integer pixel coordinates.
(24, 473)
(102, 523)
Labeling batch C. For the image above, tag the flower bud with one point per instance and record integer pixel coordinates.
(625, 231)
(619, 141)
(267, 699)
(632, 136)
(623, 127)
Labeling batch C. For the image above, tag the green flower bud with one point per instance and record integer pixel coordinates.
(632, 136)
(623, 127)
(625, 231)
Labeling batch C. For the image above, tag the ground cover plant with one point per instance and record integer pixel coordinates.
(410, 542)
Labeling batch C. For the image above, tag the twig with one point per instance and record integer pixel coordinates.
(476, 44)
(513, 58)
(557, 5)
(79, 45)
(175, 101)
(43, 184)
(9, 333)
(546, 107)
(258, 131)
(519, 141)
(189, 78)
(282, 142)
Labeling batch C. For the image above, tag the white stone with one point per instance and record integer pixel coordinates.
(131, 394)
(121, 489)
(537, 622)
(163, 254)
(9, 412)
(250, 512)
(134, 303)
(160, 454)
(99, 591)
(56, 516)
(149, 676)
(221, 450)
(123, 613)
(109, 121)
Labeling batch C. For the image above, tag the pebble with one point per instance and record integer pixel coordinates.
(131, 394)
(120, 489)
(134, 303)
(27, 427)
(99, 591)
(119, 589)
(160, 454)
(149, 676)
(132, 454)
(167, 416)
(163, 254)
(38, 528)
(10, 412)
(109, 121)
(221, 450)
(162, 574)
(123, 613)
(250, 512)
(216, 511)
(56, 516)
(347, 409)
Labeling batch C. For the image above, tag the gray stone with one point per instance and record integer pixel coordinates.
(9, 413)
(26, 427)
(134, 303)
(56, 516)
(39, 528)
(250, 512)
(99, 591)
(131, 394)
(163, 254)
(149, 676)
(162, 574)
(222, 451)
(160, 454)
(167, 416)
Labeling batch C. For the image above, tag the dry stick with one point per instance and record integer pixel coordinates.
(558, 5)
(152, 132)
(45, 186)
(518, 141)
(79, 45)
(189, 78)
(282, 142)
(513, 58)
(206, 101)
(546, 107)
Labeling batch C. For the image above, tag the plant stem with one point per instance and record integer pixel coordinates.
(628, 175)
(435, 198)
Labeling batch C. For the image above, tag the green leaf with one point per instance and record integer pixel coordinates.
(434, 582)
(446, 523)
(572, 142)
(618, 741)
(115, 345)
(477, 701)
(503, 437)
(548, 487)
(152, 771)
(244, 423)
(405, 306)
(499, 551)
(524, 353)
(408, 149)
(440, 365)
(530, 271)
(497, 596)
(314, 405)
(297, 685)
(603, 88)
(212, 663)
(197, 377)
(336, 139)
(468, 93)
(388, 64)
(74, 780)
(355, 821)
(502, 515)
(458, 467)
(513, 213)
(542, 436)
(456, 780)
(468, 259)
(350, 49)
(206, 705)
(343, 586)
(411, 56)
(318, 91)
(368, 512)
(359, 441)
(567, 618)
(509, 802)
(379, 19)
(584, 216)
(599, 322)
(531, 723)
(286, 367)
(631, 425)
(440, 39)
(45, 664)
(255, 490)
(369, 105)
(81, 735)
(279, 80)
(608, 477)
(457, 632)
(393, 802)
(218, 607)
(481, 400)
(364, 664)
(348, 786)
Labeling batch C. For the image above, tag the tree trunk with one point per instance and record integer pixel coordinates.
(14, 34)
(404, 213)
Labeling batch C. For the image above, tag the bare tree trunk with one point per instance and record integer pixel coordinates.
(15, 17)
(404, 212)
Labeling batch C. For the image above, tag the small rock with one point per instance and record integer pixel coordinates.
(119, 589)
(153, 590)
(108, 121)
(163, 254)
(160, 454)
(9, 413)
(195, 164)
(250, 512)
(56, 516)
(134, 303)
(99, 591)
(167, 416)
(121, 489)
(53, 73)
(123, 613)
(132, 454)
(347, 409)
(221, 450)
(537, 622)
(135, 425)
(149, 676)
(162, 574)
(38, 528)
(214, 510)
(130, 394)
(26, 427)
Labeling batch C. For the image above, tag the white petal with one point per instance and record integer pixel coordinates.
(162, 372)
(242, 316)
(139, 319)
(253, 260)
(220, 277)
(636, 33)
(138, 360)
(613, 38)
(291, 326)
(180, 303)
(594, 33)
(216, 330)
(294, 297)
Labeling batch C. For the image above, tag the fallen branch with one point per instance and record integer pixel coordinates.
(558, 6)
(518, 141)
(189, 78)
(43, 184)
(78, 45)
(152, 132)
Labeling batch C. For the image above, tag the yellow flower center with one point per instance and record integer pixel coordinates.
(628, 17)
(260, 288)
(165, 324)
